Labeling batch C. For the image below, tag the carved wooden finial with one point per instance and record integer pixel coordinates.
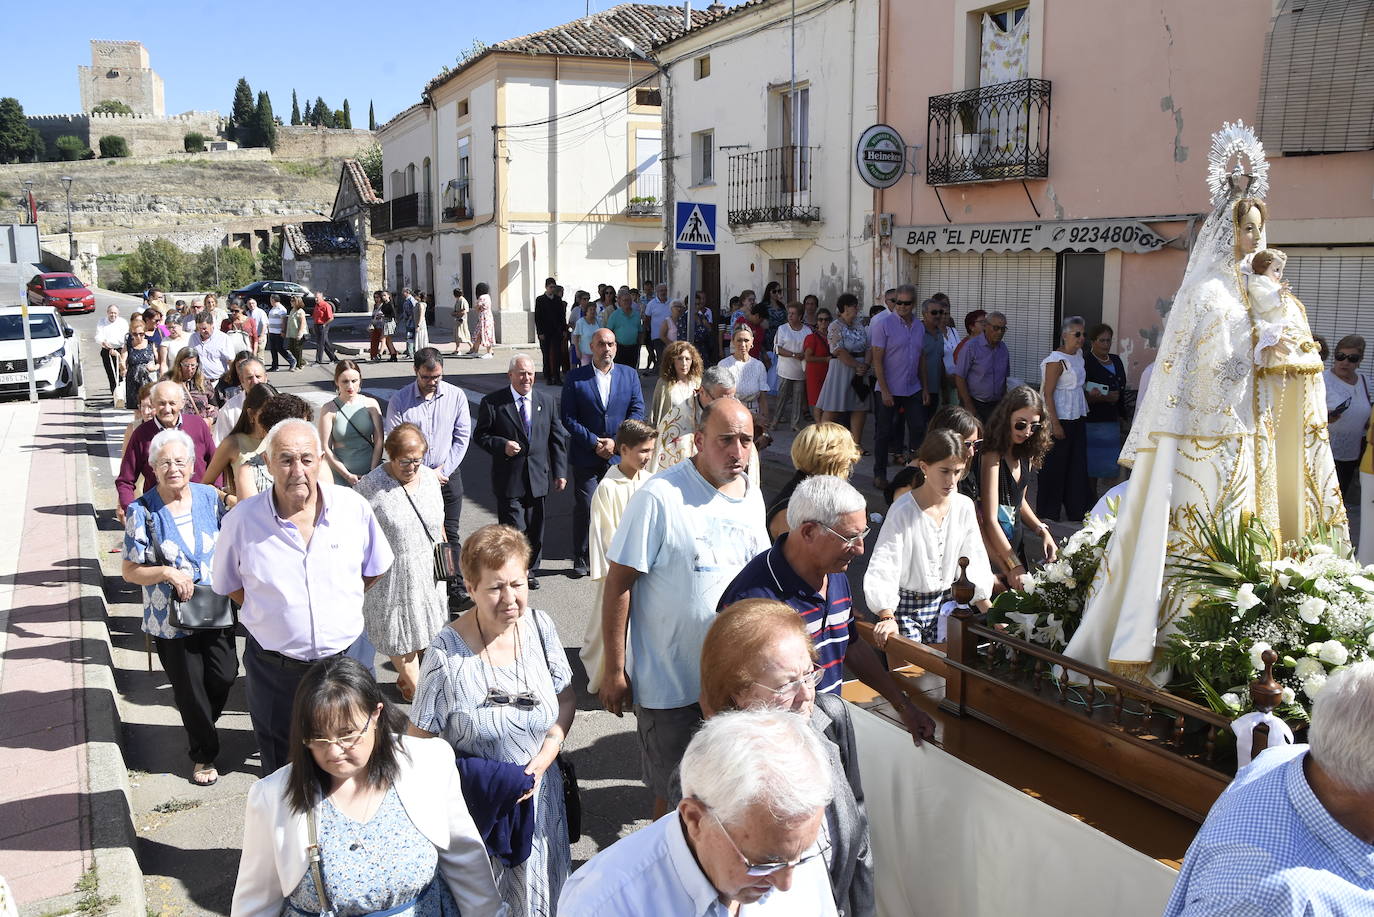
(1265, 692)
(963, 589)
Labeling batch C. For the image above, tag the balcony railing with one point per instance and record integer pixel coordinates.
(992, 133)
(771, 186)
(457, 201)
(646, 195)
(407, 212)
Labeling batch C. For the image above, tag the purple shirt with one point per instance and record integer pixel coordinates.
(901, 357)
(985, 368)
(301, 600)
(444, 419)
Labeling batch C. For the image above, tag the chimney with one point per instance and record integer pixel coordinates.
(687, 15)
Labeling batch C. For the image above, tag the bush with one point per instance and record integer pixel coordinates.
(114, 147)
(70, 149)
(155, 262)
(236, 269)
(112, 107)
(194, 142)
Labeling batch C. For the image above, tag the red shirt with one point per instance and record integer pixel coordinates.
(324, 312)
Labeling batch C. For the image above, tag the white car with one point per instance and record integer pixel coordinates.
(56, 352)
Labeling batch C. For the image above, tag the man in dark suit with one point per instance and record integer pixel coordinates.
(551, 325)
(596, 400)
(521, 430)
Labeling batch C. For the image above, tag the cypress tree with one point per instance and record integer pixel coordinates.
(371, 117)
(324, 115)
(347, 120)
(295, 109)
(241, 115)
(264, 123)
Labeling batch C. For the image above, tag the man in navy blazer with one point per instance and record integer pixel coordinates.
(520, 428)
(596, 399)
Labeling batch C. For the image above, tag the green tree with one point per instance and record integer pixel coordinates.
(347, 120)
(371, 161)
(70, 148)
(157, 262)
(114, 146)
(241, 115)
(112, 107)
(236, 268)
(18, 141)
(194, 142)
(264, 124)
(371, 117)
(295, 109)
(324, 115)
(269, 265)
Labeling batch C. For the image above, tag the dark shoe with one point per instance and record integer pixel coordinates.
(580, 570)
(459, 602)
(393, 358)
(533, 582)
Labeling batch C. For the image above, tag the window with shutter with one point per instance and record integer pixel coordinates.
(1338, 291)
(1317, 86)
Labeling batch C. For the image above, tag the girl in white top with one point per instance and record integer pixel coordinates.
(1064, 486)
(751, 377)
(916, 557)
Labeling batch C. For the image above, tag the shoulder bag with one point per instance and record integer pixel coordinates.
(204, 610)
(349, 417)
(572, 796)
(312, 856)
(444, 566)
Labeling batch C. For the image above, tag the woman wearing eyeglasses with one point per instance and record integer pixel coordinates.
(916, 557)
(384, 813)
(406, 607)
(169, 548)
(1015, 442)
(1348, 407)
(757, 654)
(1063, 485)
(496, 685)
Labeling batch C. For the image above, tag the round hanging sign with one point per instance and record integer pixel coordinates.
(880, 156)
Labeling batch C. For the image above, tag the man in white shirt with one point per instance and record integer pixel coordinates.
(744, 840)
(790, 345)
(251, 372)
(655, 311)
(212, 346)
(258, 317)
(276, 335)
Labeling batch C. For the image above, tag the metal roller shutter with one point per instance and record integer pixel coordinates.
(1338, 291)
(1020, 284)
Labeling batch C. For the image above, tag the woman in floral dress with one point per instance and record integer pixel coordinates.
(486, 330)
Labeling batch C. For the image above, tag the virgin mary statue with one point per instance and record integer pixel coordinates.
(1207, 436)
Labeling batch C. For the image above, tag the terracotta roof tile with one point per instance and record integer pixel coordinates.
(353, 172)
(320, 237)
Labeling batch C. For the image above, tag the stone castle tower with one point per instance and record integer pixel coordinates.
(119, 71)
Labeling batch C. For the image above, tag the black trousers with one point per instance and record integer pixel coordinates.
(202, 668)
(110, 360)
(1064, 490)
(452, 491)
(984, 409)
(323, 345)
(276, 345)
(527, 515)
(627, 355)
(585, 479)
(555, 353)
(1345, 474)
(906, 412)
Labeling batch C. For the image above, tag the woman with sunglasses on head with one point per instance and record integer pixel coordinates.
(1063, 484)
(1347, 407)
(916, 557)
(1016, 442)
(407, 606)
(496, 684)
(386, 810)
(757, 654)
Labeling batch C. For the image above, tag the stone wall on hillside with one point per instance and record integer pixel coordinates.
(147, 135)
(305, 142)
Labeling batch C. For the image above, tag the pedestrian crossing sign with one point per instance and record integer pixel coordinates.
(694, 229)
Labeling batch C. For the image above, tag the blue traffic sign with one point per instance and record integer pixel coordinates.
(694, 227)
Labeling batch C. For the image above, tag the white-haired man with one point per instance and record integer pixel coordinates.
(805, 570)
(755, 785)
(297, 558)
(1294, 834)
(520, 428)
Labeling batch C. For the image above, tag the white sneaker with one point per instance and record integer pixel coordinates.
(486, 356)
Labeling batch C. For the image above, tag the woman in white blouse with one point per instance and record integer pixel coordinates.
(1064, 484)
(916, 557)
(751, 377)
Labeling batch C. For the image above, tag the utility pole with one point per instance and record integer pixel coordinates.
(71, 240)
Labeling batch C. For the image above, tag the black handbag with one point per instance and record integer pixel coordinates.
(572, 795)
(444, 567)
(204, 610)
(861, 386)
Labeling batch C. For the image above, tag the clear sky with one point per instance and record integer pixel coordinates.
(337, 49)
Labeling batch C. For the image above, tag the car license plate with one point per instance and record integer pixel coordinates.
(13, 378)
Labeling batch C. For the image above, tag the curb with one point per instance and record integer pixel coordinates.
(113, 838)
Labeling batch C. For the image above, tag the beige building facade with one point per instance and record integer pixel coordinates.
(121, 72)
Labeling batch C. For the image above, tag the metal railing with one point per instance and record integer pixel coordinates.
(406, 212)
(991, 133)
(457, 205)
(646, 194)
(772, 185)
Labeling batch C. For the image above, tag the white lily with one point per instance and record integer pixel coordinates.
(1246, 598)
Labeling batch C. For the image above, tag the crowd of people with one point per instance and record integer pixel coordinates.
(723, 621)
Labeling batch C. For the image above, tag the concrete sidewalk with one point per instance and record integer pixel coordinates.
(66, 835)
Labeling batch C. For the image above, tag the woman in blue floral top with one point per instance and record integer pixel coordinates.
(169, 545)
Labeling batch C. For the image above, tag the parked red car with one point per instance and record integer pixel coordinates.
(64, 292)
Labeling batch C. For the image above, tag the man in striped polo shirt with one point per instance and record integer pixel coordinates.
(805, 569)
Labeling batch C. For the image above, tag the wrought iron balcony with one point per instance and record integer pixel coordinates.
(771, 186)
(457, 201)
(992, 133)
(646, 195)
(412, 211)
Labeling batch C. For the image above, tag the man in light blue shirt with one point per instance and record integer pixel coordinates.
(1294, 834)
(745, 839)
(684, 536)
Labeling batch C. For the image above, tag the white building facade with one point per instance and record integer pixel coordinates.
(764, 105)
(539, 157)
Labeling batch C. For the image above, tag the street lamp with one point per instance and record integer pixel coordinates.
(71, 241)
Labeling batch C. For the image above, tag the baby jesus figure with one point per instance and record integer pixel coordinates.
(1285, 338)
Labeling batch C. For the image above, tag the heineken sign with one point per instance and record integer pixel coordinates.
(880, 156)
